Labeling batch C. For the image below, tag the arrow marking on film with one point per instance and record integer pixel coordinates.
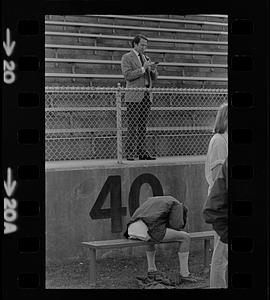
(9, 185)
(8, 45)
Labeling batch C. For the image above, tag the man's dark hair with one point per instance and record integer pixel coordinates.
(137, 39)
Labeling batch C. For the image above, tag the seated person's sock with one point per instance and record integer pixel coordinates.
(151, 261)
(183, 260)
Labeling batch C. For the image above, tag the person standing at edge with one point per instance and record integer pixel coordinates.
(215, 212)
(216, 155)
(139, 72)
(218, 146)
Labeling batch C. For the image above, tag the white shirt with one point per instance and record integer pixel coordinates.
(216, 154)
(137, 53)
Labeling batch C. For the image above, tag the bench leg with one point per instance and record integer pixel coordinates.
(92, 267)
(207, 253)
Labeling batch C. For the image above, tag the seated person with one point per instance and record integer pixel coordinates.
(160, 219)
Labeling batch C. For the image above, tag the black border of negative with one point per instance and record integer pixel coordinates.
(23, 143)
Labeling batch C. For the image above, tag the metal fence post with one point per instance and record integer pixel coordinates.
(119, 124)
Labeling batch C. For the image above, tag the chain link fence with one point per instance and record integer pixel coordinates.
(84, 123)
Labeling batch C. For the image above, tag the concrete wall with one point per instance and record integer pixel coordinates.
(72, 192)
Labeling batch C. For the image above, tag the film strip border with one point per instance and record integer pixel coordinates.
(24, 156)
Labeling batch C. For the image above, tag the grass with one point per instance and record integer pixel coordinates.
(120, 273)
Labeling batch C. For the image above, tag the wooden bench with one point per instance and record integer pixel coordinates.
(93, 246)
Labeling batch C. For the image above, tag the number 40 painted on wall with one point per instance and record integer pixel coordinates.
(112, 186)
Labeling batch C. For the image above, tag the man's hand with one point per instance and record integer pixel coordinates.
(148, 64)
(153, 66)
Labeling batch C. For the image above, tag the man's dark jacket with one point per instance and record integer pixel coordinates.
(215, 210)
(158, 213)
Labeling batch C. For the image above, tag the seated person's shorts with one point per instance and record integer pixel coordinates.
(138, 230)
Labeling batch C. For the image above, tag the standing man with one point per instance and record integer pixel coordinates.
(139, 72)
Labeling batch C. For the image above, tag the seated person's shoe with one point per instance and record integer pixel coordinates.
(159, 277)
(152, 273)
(189, 279)
(146, 156)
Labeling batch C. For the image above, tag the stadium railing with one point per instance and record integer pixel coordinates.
(86, 123)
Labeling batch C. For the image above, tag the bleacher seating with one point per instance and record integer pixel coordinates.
(86, 50)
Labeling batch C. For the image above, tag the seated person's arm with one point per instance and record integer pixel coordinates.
(177, 217)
